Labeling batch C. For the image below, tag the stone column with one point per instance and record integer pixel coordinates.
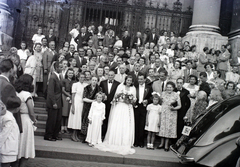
(6, 27)
(234, 35)
(204, 30)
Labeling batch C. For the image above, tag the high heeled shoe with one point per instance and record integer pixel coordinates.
(166, 149)
(159, 147)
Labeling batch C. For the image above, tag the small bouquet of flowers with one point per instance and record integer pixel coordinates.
(124, 97)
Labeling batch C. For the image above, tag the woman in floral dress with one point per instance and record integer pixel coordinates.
(170, 104)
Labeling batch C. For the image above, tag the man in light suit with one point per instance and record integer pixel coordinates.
(112, 63)
(143, 67)
(109, 39)
(121, 77)
(160, 85)
(143, 94)
(223, 60)
(130, 66)
(80, 59)
(54, 105)
(47, 62)
(109, 87)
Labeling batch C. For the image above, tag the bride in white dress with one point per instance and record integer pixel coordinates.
(120, 133)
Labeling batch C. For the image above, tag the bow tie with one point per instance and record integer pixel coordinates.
(110, 81)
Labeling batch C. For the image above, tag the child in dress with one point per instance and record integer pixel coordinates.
(9, 138)
(96, 117)
(153, 119)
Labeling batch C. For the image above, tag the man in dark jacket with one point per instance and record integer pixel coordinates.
(54, 105)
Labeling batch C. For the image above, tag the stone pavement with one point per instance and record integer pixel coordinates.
(69, 150)
(49, 162)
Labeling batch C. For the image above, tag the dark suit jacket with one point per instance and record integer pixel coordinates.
(185, 102)
(113, 66)
(54, 95)
(82, 40)
(134, 44)
(135, 78)
(10, 99)
(126, 42)
(151, 39)
(108, 41)
(147, 93)
(68, 56)
(104, 86)
(52, 38)
(83, 61)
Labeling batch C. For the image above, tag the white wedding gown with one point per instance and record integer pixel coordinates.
(120, 133)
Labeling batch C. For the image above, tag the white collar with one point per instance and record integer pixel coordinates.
(57, 74)
(5, 77)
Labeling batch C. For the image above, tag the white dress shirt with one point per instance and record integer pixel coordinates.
(109, 86)
(141, 93)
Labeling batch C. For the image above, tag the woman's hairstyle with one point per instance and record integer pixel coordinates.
(70, 69)
(156, 96)
(196, 78)
(210, 51)
(180, 64)
(216, 95)
(128, 76)
(24, 83)
(210, 64)
(36, 44)
(171, 83)
(230, 82)
(24, 43)
(99, 94)
(202, 95)
(193, 46)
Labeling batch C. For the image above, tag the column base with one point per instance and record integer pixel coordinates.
(235, 45)
(205, 39)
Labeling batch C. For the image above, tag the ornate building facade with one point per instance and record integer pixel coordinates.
(197, 20)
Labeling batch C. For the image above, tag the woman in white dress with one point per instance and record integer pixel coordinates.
(37, 38)
(75, 116)
(23, 54)
(26, 147)
(34, 67)
(74, 33)
(120, 133)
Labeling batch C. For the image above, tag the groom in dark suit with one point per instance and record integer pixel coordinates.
(143, 94)
(185, 101)
(109, 87)
(54, 105)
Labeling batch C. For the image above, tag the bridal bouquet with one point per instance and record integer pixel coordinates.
(124, 97)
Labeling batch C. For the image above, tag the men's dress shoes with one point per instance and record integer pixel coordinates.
(141, 146)
(135, 145)
(49, 139)
(58, 138)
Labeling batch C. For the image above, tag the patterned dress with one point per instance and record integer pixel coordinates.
(168, 125)
(90, 94)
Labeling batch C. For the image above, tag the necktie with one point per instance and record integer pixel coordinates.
(110, 81)
(162, 86)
